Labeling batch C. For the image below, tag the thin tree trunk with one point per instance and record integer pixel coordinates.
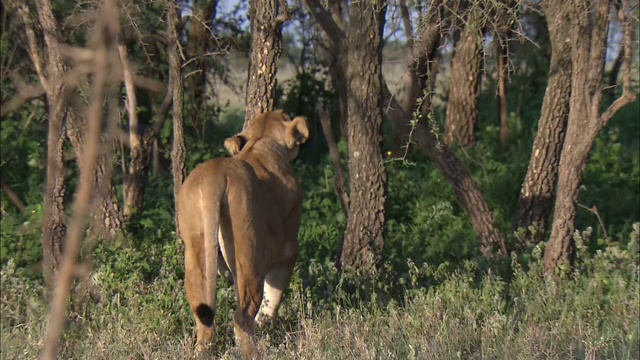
(50, 72)
(364, 236)
(266, 48)
(464, 93)
(503, 71)
(178, 149)
(538, 189)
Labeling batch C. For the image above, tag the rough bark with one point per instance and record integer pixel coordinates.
(464, 92)
(588, 34)
(178, 152)
(538, 189)
(266, 48)
(364, 236)
(106, 217)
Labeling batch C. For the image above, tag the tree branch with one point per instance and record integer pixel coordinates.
(325, 121)
(24, 93)
(323, 17)
(628, 96)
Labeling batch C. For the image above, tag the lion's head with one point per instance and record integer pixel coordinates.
(275, 126)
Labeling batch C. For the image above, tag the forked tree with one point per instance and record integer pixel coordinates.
(589, 25)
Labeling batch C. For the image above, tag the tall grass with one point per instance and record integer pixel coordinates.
(128, 312)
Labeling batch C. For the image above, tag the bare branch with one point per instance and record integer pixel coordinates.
(325, 121)
(24, 93)
(82, 204)
(628, 96)
(134, 136)
(323, 17)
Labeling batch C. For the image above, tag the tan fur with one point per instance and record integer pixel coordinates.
(247, 208)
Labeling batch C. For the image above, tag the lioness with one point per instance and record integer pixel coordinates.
(249, 205)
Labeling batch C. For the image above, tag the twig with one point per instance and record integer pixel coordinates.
(15, 199)
(594, 210)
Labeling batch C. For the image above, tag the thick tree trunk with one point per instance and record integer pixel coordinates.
(266, 47)
(178, 149)
(364, 236)
(464, 93)
(538, 189)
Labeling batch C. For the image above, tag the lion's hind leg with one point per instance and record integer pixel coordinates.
(275, 284)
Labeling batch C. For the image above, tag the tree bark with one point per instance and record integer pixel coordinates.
(464, 93)
(588, 34)
(538, 189)
(364, 236)
(105, 213)
(178, 148)
(266, 48)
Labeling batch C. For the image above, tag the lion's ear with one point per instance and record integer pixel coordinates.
(297, 132)
(235, 143)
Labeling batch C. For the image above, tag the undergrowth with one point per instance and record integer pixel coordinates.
(134, 310)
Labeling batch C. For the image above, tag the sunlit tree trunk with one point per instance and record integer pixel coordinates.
(266, 48)
(364, 236)
(538, 189)
(178, 151)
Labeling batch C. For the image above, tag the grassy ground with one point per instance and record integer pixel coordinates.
(591, 314)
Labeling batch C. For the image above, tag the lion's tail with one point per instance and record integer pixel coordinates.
(211, 203)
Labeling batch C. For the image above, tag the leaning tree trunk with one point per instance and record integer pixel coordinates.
(266, 47)
(364, 236)
(536, 197)
(452, 168)
(588, 35)
(178, 149)
(464, 93)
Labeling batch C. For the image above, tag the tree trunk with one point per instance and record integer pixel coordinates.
(198, 47)
(50, 71)
(364, 236)
(589, 27)
(178, 149)
(136, 180)
(464, 93)
(538, 189)
(266, 47)
(106, 217)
